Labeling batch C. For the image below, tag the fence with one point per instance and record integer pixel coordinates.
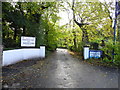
(16, 55)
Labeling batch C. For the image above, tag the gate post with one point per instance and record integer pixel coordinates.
(42, 51)
(86, 52)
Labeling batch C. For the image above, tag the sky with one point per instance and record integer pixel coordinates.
(64, 17)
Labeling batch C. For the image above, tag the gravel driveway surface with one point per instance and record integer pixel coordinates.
(59, 70)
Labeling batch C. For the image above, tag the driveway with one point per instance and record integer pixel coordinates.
(59, 70)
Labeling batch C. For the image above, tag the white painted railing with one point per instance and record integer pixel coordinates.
(16, 55)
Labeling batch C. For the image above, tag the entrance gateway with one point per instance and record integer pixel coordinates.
(91, 53)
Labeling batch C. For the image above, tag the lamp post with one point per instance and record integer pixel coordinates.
(117, 12)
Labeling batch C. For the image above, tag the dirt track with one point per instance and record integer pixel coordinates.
(59, 70)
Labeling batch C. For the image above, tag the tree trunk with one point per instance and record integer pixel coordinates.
(24, 30)
(85, 36)
(74, 40)
(15, 33)
(46, 35)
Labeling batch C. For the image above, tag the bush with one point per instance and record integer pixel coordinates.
(108, 49)
(117, 54)
(8, 43)
(51, 47)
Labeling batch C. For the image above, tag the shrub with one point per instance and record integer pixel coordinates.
(109, 48)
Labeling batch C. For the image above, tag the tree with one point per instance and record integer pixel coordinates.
(92, 22)
(29, 19)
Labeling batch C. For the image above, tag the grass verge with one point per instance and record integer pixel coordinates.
(92, 61)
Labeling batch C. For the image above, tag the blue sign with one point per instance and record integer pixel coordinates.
(95, 53)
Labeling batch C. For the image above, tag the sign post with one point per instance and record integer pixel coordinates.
(42, 51)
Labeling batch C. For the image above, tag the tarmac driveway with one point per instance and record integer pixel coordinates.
(60, 70)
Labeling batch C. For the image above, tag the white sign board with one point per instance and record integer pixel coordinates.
(27, 41)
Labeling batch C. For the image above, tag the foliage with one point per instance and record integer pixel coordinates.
(91, 20)
(117, 54)
(29, 19)
(96, 20)
(108, 49)
(99, 19)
